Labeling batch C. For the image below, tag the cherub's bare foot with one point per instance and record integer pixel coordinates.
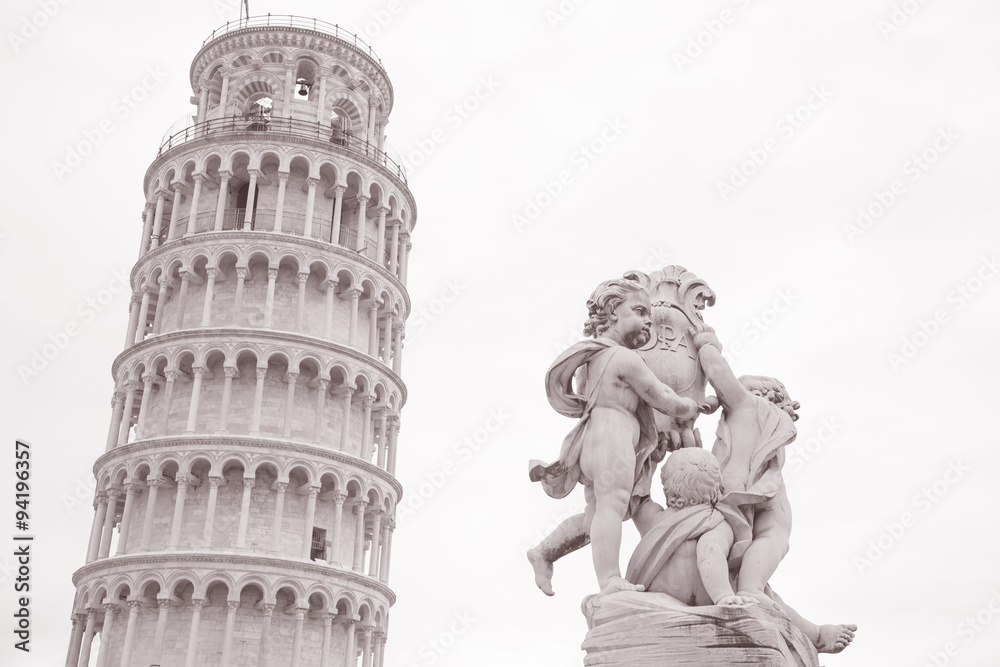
(834, 638)
(737, 600)
(616, 584)
(543, 571)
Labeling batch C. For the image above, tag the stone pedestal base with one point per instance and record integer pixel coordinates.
(655, 630)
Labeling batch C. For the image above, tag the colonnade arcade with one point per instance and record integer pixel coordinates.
(214, 500)
(286, 289)
(262, 621)
(208, 387)
(278, 190)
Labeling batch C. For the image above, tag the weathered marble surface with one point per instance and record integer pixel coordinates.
(630, 629)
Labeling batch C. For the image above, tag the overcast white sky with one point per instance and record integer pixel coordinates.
(842, 103)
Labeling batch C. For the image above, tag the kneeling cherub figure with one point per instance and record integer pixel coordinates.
(693, 548)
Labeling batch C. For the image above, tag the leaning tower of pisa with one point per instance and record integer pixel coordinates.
(246, 494)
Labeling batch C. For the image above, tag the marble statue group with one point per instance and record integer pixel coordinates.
(697, 586)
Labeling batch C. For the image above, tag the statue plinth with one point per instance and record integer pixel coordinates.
(630, 629)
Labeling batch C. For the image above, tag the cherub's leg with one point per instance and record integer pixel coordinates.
(826, 638)
(772, 526)
(611, 466)
(568, 536)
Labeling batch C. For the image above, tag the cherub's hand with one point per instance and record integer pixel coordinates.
(710, 405)
(662, 447)
(704, 335)
(736, 600)
(687, 411)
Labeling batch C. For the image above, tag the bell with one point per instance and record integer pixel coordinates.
(302, 88)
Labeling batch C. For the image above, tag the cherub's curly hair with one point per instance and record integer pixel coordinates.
(691, 476)
(606, 297)
(773, 391)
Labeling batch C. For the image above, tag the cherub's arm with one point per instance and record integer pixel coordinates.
(650, 389)
(713, 566)
(646, 516)
(731, 392)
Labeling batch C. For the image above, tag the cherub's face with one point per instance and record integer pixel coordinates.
(633, 320)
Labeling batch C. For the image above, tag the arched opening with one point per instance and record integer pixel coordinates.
(258, 115)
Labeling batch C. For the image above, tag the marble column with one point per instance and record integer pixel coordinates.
(241, 536)
(227, 639)
(178, 518)
(220, 205)
(109, 523)
(147, 523)
(290, 378)
(88, 638)
(133, 615)
(192, 419)
(206, 311)
(195, 196)
(110, 611)
(131, 489)
(279, 213)
(359, 536)
(322, 384)
(338, 527)
(213, 495)
(279, 507)
(197, 604)
(227, 392)
(258, 402)
(272, 277)
(310, 518)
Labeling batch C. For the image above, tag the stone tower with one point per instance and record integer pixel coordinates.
(250, 457)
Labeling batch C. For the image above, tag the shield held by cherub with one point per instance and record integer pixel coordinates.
(678, 298)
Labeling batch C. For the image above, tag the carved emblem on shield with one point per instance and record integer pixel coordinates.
(678, 298)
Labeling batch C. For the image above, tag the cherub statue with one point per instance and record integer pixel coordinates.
(755, 426)
(611, 449)
(693, 548)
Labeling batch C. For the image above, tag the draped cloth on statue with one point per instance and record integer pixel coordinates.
(678, 526)
(762, 479)
(633, 629)
(561, 477)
